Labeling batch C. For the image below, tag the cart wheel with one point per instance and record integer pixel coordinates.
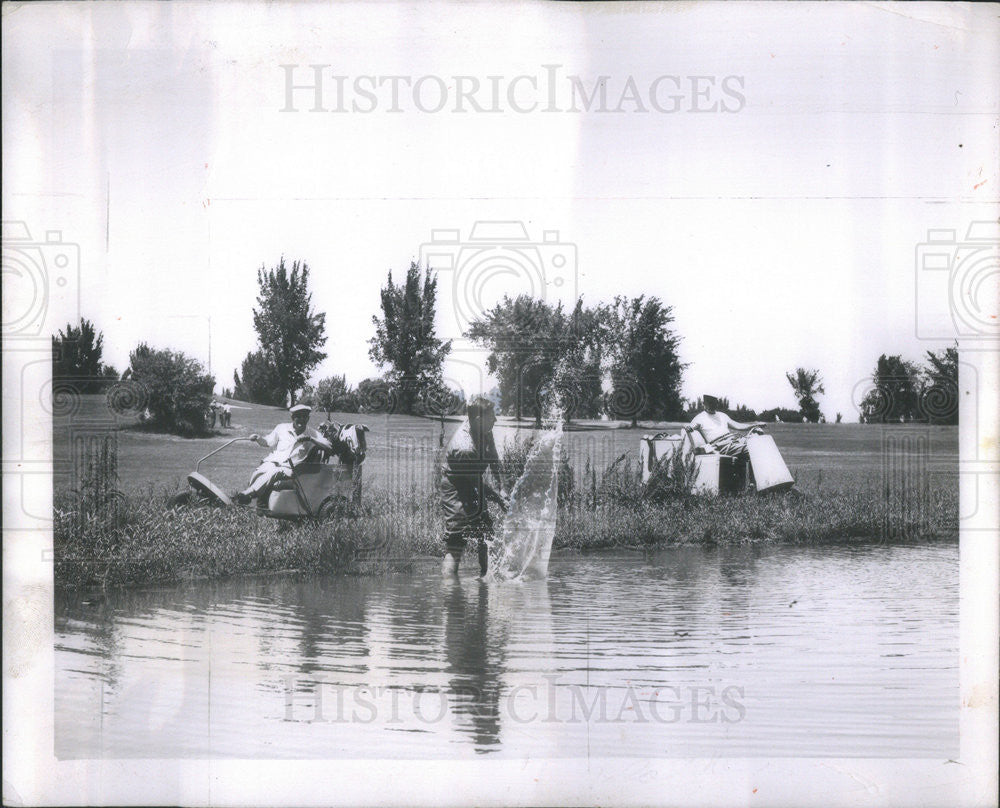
(190, 499)
(181, 500)
(207, 491)
(333, 507)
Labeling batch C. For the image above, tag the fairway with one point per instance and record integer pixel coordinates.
(403, 450)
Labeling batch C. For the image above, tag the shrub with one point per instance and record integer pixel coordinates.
(177, 389)
(377, 396)
(620, 483)
(335, 395)
(672, 479)
(783, 413)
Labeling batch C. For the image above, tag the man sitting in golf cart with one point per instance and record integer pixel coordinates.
(719, 431)
(291, 444)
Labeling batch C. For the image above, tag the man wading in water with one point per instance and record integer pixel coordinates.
(464, 492)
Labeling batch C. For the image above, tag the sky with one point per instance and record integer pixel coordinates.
(770, 171)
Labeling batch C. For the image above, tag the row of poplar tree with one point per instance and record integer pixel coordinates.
(618, 358)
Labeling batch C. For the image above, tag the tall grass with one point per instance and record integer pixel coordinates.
(104, 538)
(622, 511)
(95, 471)
(515, 455)
(147, 541)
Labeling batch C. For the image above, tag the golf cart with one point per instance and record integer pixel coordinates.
(319, 487)
(715, 471)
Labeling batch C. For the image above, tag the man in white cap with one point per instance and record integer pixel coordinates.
(290, 443)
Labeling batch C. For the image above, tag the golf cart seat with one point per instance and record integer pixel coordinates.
(310, 485)
(303, 472)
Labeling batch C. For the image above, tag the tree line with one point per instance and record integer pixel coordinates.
(619, 359)
(172, 392)
(905, 391)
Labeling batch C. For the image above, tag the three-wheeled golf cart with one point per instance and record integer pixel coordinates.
(321, 486)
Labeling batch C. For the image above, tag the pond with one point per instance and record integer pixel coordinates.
(836, 651)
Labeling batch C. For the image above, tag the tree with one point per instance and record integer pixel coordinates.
(894, 393)
(76, 358)
(405, 342)
(575, 390)
(943, 365)
(442, 400)
(493, 395)
(336, 395)
(807, 384)
(939, 389)
(741, 412)
(525, 338)
(176, 388)
(377, 396)
(260, 382)
(578, 373)
(290, 331)
(645, 369)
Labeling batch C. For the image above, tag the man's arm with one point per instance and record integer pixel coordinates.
(742, 427)
(269, 441)
(696, 425)
(499, 497)
(317, 438)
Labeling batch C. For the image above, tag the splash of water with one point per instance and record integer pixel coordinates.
(521, 549)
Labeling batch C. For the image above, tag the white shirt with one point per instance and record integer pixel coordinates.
(715, 424)
(287, 447)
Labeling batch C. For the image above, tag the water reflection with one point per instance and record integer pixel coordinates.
(474, 651)
(829, 648)
(330, 616)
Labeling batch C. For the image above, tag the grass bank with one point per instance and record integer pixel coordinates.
(104, 537)
(137, 538)
(831, 517)
(113, 526)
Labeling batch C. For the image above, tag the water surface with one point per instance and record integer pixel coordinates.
(782, 651)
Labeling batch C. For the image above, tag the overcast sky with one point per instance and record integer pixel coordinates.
(773, 188)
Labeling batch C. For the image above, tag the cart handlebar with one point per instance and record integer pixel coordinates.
(197, 467)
